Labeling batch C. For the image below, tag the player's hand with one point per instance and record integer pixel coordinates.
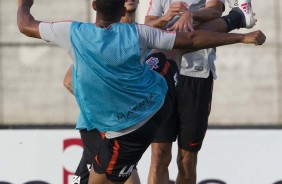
(256, 38)
(175, 9)
(25, 2)
(184, 24)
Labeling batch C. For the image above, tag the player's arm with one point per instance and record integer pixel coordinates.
(58, 32)
(175, 9)
(68, 80)
(26, 23)
(212, 10)
(198, 40)
(152, 38)
(154, 21)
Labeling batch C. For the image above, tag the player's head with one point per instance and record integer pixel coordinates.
(110, 10)
(131, 5)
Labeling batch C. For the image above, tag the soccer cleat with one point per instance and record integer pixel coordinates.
(244, 7)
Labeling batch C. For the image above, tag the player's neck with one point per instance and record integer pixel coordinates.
(104, 23)
(128, 18)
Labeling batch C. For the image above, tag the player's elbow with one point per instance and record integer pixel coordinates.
(66, 82)
(151, 21)
(28, 27)
(148, 21)
(24, 28)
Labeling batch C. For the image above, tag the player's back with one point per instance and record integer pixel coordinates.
(113, 88)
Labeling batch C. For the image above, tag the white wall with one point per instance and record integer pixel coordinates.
(248, 90)
(231, 156)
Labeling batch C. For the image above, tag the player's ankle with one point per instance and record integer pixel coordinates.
(233, 20)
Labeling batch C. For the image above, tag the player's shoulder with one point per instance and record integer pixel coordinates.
(60, 22)
(55, 26)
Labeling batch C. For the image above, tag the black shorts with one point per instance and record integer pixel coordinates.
(194, 96)
(189, 120)
(167, 132)
(118, 157)
(91, 142)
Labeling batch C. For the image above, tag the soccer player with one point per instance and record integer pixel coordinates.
(194, 90)
(116, 92)
(90, 138)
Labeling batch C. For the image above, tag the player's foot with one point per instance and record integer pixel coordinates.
(244, 7)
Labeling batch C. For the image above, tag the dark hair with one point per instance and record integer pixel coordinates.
(110, 9)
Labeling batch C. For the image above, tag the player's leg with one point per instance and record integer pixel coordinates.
(118, 157)
(160, 160)
(96, 178)
(240, 16)
(187, 165)
(161, 151)
(194, 97)
(102, 178)
(134, 178)
(167, 132)
(91, 142)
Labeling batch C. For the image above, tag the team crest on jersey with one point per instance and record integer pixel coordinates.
(153, 62)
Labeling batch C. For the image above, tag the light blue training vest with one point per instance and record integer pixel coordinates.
(114, 90)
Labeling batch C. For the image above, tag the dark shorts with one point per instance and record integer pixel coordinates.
(118, 157)
(167, 132)
(189, 122)
(194, 96)
(91, 142)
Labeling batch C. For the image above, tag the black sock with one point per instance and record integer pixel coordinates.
(233, 20)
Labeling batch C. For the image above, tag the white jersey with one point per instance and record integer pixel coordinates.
(196, 64)
(149, 38)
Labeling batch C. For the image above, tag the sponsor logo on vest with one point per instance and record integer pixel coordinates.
(126, 171)
(145, 104)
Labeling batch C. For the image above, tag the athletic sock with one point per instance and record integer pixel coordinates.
(232, 20)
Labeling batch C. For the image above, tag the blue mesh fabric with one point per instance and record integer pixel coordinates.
(113, 88)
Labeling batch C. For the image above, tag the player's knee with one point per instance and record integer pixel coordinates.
(187, 160)
(161, 157)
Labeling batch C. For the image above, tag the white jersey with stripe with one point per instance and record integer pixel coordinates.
(149, 38)
(196, 64)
